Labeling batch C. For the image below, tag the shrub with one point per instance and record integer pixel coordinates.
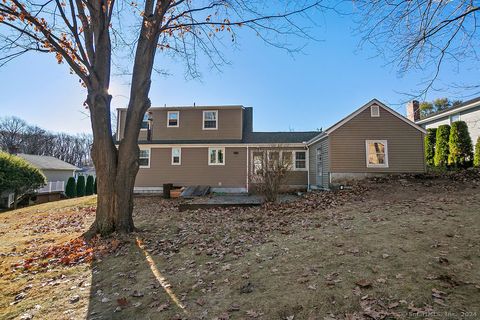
(18, 176)
(80, 190)
(476, 157)
(95, 186)
(70, 191)
(460, 145)
(89, 186)
(430, 139)
(441, 146)
(270, 172)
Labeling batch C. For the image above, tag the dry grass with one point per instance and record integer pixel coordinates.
(412, 244)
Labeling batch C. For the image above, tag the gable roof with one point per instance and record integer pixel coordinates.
(47, 162)
(472, 103)
(357, 112)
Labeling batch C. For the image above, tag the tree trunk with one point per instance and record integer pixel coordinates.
(115, 175)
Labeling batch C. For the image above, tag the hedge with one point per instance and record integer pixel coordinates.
(70, 191)
(80, 190)
(476, 156)
(95, 186)
(89, 186)
(441, 146)
(460, 145)
(430, 139)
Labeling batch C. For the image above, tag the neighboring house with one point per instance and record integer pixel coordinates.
(468, 111)
(86, 171)
(57, 173)
(216, 146)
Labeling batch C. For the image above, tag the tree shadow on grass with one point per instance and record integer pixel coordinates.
(129, 284)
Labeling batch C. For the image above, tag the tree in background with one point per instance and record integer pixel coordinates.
(89, 186)
(18, 176)
(430, 140)
(70, 188)
(88, 34)
(476, 156)
(426, 109)
(18, 136)
(460, 145)
(441, 146)
(456, 103)
(80, 189)
(95, 186)
(422, 34)
(441, 104)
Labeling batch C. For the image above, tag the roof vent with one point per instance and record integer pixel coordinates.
(375, 111)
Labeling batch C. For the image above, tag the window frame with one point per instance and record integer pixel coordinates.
(216, 119)
(294, 160)
(455, 115)
(385, 144)
(377, 114)
(143, 120)
(149, 158)
(179, 157)
(216, 157)
(168, 119)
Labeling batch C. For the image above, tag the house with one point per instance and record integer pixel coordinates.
(216, 146)
(468, 111)
(57, 173)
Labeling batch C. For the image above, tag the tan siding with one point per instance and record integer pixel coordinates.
(191, 123)
(194, 169)
(405, 144)
(294, 178)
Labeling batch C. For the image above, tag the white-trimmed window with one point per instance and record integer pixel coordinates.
(210, 120)
(144, 158)
(216, 156)
(257, 157)
(173, 119)
(300, 160)
(144, 125)
(176, 156)
(377, 153)
(375, 111)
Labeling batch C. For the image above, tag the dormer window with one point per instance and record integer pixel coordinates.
(210, 120)
(144, 125)
(173, 119)
(375, 111)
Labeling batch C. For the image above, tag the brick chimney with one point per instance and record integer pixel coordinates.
(413, 110)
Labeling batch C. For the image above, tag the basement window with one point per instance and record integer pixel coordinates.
(377, 153)
(144, 158)
(173, 119)
(375, 111)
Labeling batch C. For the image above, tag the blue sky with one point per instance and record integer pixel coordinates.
(310, 90)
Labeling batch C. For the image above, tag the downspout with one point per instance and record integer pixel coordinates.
(308, 166)
(248, 167)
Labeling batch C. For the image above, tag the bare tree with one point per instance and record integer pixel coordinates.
(12, 131)
(270, 169)
(422, 34)
(85, 33)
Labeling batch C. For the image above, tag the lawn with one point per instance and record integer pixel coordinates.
(387, 249)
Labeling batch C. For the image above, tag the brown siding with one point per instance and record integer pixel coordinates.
(194, 169)
(191, 123)
(294, 178)
(405, 144)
